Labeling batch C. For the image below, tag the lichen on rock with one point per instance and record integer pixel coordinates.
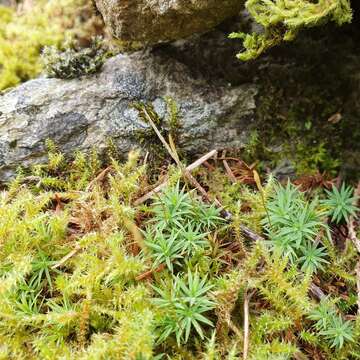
(26, 30)
(72, 61)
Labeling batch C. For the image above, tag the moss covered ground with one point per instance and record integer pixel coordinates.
(245, 268)
(254, 255)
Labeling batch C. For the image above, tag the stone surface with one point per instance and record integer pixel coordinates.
(85, 113)
(288, 97)
(154, 21)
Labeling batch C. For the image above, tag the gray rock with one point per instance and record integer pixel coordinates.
(85, 113)
(221, 101)
(154, 21)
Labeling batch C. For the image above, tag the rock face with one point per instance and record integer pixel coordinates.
(153, 21)
(86, 113)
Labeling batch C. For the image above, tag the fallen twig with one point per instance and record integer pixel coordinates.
(209, 166)
(191, 167)
(316, 291)
(247, 298)
(66, 257)
(98, 178)
(248, 233)
(174, 155)
(148, 273)
(356, 241)
(227, 168)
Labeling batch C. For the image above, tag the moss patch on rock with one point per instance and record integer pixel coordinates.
(24, 32)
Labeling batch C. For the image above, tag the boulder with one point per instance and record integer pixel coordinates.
(298, 105)
(87, 112)
(153, 21)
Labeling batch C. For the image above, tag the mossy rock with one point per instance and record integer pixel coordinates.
(25, 31)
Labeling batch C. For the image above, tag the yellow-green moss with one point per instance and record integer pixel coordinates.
(282, 20)
(24, 33)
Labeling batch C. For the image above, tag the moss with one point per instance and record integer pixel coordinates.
(310, 146)
(168, 125)
(282, 20)
(78, 280)
(147, 137)
(72, 61)
(306, 115)
(24, 33)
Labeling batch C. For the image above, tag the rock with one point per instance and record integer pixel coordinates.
(154, 21)
(280, 104)
(86, 113)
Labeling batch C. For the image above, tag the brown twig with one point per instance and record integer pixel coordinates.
(209, 166)
(151, 193)
(229, 158)
(66, 257)
(316, 291)
(228, 169)
(248, 233)
(191, 167)
(98, 178)
(356, 241)
(174, 155)
(148, 273)
(247, 298)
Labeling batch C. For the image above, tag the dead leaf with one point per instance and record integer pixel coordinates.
(334, 119)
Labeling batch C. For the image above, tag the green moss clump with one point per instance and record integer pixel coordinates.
(283, 19)
(24, 33)
(73, 62)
